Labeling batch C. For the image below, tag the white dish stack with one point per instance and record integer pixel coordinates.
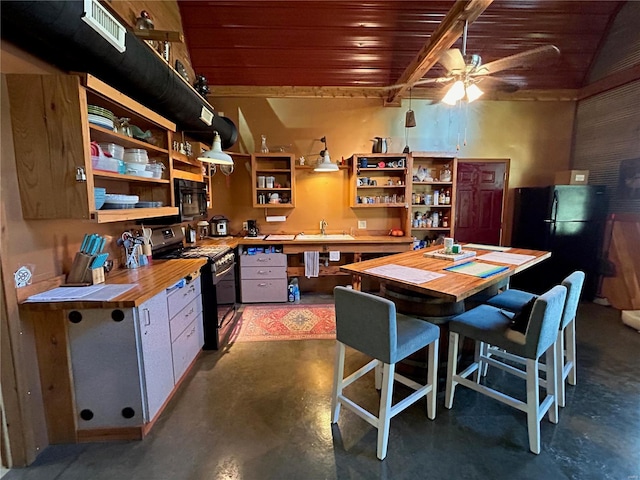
(136, 161)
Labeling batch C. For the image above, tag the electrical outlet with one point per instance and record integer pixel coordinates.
(245, 226)
(362, 224)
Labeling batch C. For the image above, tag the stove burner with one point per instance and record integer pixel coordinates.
(211, 251)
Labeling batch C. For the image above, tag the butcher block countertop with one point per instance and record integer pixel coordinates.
(359, 244)
(149, 280)
(161, 274)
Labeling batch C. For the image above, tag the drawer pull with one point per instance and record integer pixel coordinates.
(189, 291)
(262, 284)
(190, 312)
(147, 321)
(263, 259)
(191, 332)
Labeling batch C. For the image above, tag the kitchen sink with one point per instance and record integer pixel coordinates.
(319, 236)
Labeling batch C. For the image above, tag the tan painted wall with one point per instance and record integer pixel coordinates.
(536, 136)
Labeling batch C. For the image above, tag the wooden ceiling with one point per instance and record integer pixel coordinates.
(354, 48)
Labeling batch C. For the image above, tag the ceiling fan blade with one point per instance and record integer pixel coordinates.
(522, 59)
(452, 60)
(495, 84)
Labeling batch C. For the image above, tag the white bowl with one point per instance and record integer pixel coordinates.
(140, 173)
(137, 167)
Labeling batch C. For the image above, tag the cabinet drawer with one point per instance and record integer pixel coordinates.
(186, 347)
(180, 297)
(185, 317)
(264, 259)
(267, 271)
(258, 291)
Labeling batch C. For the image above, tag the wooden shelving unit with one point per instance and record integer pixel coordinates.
(280, 166)
(424, 209)
(52, 130)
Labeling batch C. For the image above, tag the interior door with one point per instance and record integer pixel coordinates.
(480, 200)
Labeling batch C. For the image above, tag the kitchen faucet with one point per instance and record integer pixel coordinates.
(323, 225)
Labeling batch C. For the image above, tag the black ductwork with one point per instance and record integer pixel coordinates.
(55, 32)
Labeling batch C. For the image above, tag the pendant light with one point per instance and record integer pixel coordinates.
(216, 155)
(409, 122)
(325, 165)
(410, 117)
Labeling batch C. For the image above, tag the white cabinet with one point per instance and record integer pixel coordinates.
(126, 362)
(187, 330)
(263, 278)
(155, 342)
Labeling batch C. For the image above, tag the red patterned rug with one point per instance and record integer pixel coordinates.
(260, 323)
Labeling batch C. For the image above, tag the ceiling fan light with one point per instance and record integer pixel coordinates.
(410, 119)
(216, 155)
(326, 165)
(455, 93)
(473, 92)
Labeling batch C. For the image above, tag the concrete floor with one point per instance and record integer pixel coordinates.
(262, 411)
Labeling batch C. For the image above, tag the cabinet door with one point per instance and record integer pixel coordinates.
(155, 342)
(105, 363)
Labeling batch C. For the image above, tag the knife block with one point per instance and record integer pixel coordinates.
(81, 271)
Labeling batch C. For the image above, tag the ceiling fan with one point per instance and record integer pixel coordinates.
(467, 71)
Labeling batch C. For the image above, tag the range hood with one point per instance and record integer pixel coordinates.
(56, 32)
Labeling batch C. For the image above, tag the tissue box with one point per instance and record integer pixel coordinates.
(572, 177)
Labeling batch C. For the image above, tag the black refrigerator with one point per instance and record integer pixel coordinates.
(568, 221)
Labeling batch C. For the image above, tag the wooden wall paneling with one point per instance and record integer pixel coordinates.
(165, 16)
(623, 289)
(53, 104)
(13, 441)
(55, 374)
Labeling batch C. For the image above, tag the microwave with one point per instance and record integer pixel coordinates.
(191, 200)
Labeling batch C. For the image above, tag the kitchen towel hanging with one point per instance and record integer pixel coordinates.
(311, 264)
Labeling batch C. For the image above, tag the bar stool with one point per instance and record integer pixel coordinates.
(514, 300)
(490, 325)
(369, 324)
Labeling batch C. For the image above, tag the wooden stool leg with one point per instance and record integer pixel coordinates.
(552, 382)
(533, 403)
(571, 350)
(338, 376)
(452, 367)
(432, 379)
(384, 415)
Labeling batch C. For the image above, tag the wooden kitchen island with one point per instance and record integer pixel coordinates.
(108, 368)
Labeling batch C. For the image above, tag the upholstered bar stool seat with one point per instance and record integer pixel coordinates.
(370, 324)
(515, 300)
(490, 325)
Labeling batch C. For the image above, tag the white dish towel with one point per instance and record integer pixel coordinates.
(311, 264)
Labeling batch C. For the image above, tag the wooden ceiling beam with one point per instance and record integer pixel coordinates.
(449, 30)
(375, 92)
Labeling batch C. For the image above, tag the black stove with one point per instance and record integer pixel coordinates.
(218, 281)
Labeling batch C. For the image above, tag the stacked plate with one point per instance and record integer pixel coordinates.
(101, 116)
(149, 204)
(113, 201)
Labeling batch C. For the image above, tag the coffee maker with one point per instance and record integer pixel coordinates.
(252, 228)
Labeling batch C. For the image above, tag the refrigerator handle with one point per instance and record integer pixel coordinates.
(554, 206)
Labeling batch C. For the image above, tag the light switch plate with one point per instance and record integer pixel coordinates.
(362, 224)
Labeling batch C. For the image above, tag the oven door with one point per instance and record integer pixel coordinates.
(226, 299)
